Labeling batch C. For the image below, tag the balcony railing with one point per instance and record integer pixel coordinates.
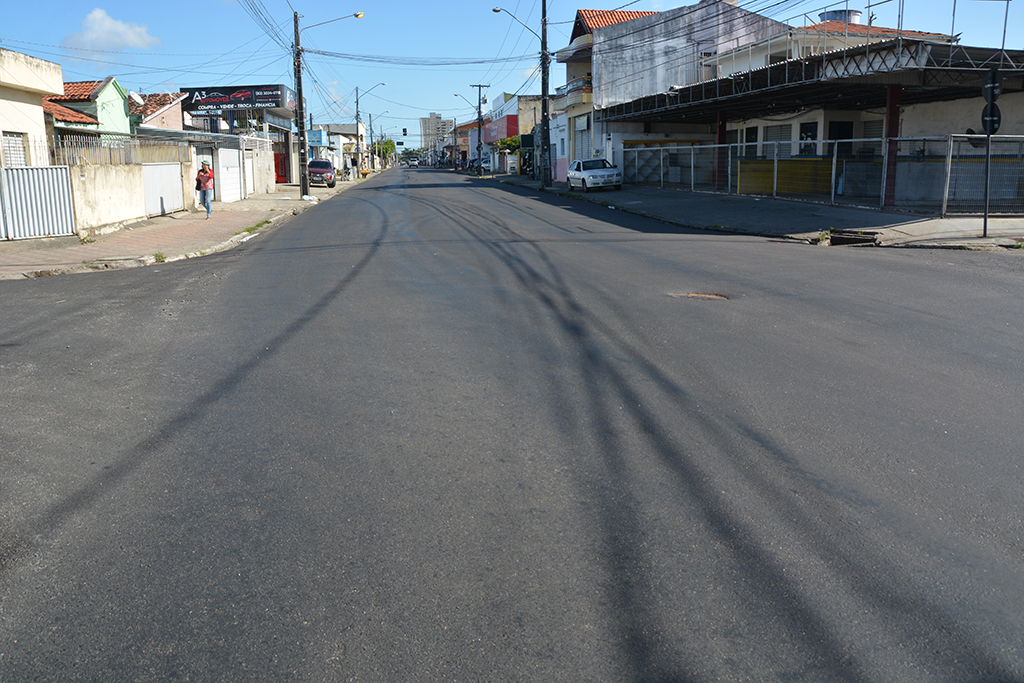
(573, 85)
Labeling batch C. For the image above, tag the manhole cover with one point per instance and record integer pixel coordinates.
(699, 295)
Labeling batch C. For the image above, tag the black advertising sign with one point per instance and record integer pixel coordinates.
(991, 118)
(992, 86)
(238, 98)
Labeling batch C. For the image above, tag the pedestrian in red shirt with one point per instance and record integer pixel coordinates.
(204, 183)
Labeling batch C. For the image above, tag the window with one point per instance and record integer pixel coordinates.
(14, 150)
(750, 151)
(783, 133)
(808, 138)
(561, 147)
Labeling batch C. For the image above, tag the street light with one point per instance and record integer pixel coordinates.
(478, 145)
(300, 108)
(359, 140)
(479, 125)
(545, 62)
(373, 155)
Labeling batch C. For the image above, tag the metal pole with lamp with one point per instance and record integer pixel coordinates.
(300, 106)
(479, 126)
(479, 119)
(545, 65)
(373, 150)
(359, 139)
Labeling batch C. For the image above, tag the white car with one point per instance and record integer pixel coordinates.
(588, 174)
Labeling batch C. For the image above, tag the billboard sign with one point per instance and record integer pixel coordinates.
(505, 127)
(279, 99)
(317, 138)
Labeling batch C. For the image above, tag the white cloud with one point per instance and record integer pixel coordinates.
(531, 73)
(100, 31)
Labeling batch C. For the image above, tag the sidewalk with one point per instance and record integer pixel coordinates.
(812, 223)
(186, 234)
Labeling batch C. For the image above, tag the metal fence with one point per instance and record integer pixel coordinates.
(35, 201)
(931, 175)
(74, 150)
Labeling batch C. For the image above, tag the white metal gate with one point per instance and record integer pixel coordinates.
(35, 201)
(229, 163)
(162, 186)
(584, 150)
(250, 174)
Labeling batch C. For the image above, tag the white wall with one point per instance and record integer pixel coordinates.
(943, 118)
(107, 196)
(24, 80)
(648, 55)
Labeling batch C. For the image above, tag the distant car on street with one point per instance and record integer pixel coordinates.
(588, 174)
(414, 162)
(322, 171)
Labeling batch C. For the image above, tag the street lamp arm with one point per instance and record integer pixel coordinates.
(467, 101)
(357, 15)
(499, 10)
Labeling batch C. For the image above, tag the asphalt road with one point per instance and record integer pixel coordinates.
(441, 429)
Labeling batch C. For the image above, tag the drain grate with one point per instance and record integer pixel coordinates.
(699, 295)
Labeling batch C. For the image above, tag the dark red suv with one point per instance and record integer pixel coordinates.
(322, 171)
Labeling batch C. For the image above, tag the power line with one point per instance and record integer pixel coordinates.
(421, 61)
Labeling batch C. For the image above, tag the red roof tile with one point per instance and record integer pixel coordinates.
(77, 91)
(599, 18)
(589, 19)
(841, 27)
(153, 102)
(65, 114)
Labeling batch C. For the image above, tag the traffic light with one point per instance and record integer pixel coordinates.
(405, 131)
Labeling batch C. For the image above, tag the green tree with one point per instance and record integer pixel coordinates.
(384, 148)
(510, 144)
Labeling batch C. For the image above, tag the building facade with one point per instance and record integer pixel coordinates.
(25, 82)
(433, 130)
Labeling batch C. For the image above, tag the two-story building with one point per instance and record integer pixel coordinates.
(575, 98)
(24, 83)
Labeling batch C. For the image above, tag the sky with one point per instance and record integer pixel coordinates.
(425, 53)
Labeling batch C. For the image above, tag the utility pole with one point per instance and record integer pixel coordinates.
(373, 159)
(479, 128)
(300, 112)
(545, 65)
(359, 141)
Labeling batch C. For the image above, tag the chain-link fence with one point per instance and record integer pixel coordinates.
(930, 175)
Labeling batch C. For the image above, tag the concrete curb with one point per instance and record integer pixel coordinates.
(807, 238)
(873, 237)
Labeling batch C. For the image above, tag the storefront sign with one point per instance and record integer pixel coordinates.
(279, 99)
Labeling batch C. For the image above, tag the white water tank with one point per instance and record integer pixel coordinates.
(850, 16)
